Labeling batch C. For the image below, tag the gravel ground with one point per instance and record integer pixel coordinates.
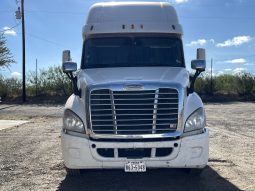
(30, 155)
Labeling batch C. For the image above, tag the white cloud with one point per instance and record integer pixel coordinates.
(236, 61)
(228, 69)
(181, 1)
(9, 31)
(249, 64)
(236, 41)
(219, 73)
(16, 75)
(239, 70)
(199, 42)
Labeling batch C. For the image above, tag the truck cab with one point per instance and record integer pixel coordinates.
(133, 105)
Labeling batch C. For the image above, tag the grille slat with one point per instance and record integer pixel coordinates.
(127, 125)
(132, 119)
(135, 99)
(135, 104)
(134, 112)
(135, 130)
(94, 110)
(131, 114)
(139, 94)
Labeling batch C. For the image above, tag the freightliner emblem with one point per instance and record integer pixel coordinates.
(133, 87)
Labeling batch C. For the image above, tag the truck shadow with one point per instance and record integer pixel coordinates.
(160, 179)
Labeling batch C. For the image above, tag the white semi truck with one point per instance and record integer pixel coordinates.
(134, 105)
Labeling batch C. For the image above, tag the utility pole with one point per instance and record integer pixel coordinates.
(211, 77)
(36, 90)
(21, 15)
(23, 53)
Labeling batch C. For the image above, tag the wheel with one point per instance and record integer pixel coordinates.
(73, 171)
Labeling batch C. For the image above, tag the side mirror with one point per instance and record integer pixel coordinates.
(200, 63)
(66, 56)
(69, 67)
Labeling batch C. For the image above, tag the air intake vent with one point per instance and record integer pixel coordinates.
(134, 112)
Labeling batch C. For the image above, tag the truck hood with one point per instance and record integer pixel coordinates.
(148, 74)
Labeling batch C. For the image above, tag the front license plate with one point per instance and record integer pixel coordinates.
(137, 166)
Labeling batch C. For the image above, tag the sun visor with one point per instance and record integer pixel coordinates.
(107, 28)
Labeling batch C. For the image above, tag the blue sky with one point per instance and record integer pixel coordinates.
(224, 27)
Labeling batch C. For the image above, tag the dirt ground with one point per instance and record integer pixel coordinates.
(30, 155)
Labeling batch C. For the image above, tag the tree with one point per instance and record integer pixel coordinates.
(6, 57)
(50, 82)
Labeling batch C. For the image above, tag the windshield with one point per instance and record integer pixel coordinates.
(134, 51)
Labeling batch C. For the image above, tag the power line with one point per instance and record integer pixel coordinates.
(250, 56)
(224, 59)
(184, 17)
(216, 18)
(201, 17)
(6, 11)
(32, 35)
(55, 12)
(44, 39)
(10, 28)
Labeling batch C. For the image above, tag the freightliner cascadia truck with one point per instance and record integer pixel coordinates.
(133, 105)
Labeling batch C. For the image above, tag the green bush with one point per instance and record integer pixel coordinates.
(204, 85)
(52, 82)
(3, 88)
(226, 84)
(241, 84)
(10, 87)
(245, 84)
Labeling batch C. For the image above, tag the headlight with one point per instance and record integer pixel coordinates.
(195, 121)
(72, 122)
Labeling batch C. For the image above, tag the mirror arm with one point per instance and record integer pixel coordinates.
(76, 91)
(193, 80)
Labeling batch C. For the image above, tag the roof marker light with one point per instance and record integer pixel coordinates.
(123, 26)
(141, 26)
(132, 26)
(91, 28)
(173, 27)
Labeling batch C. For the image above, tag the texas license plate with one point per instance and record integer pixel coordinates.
(136, 166)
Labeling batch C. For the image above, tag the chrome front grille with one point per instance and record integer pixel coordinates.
(134, 112)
